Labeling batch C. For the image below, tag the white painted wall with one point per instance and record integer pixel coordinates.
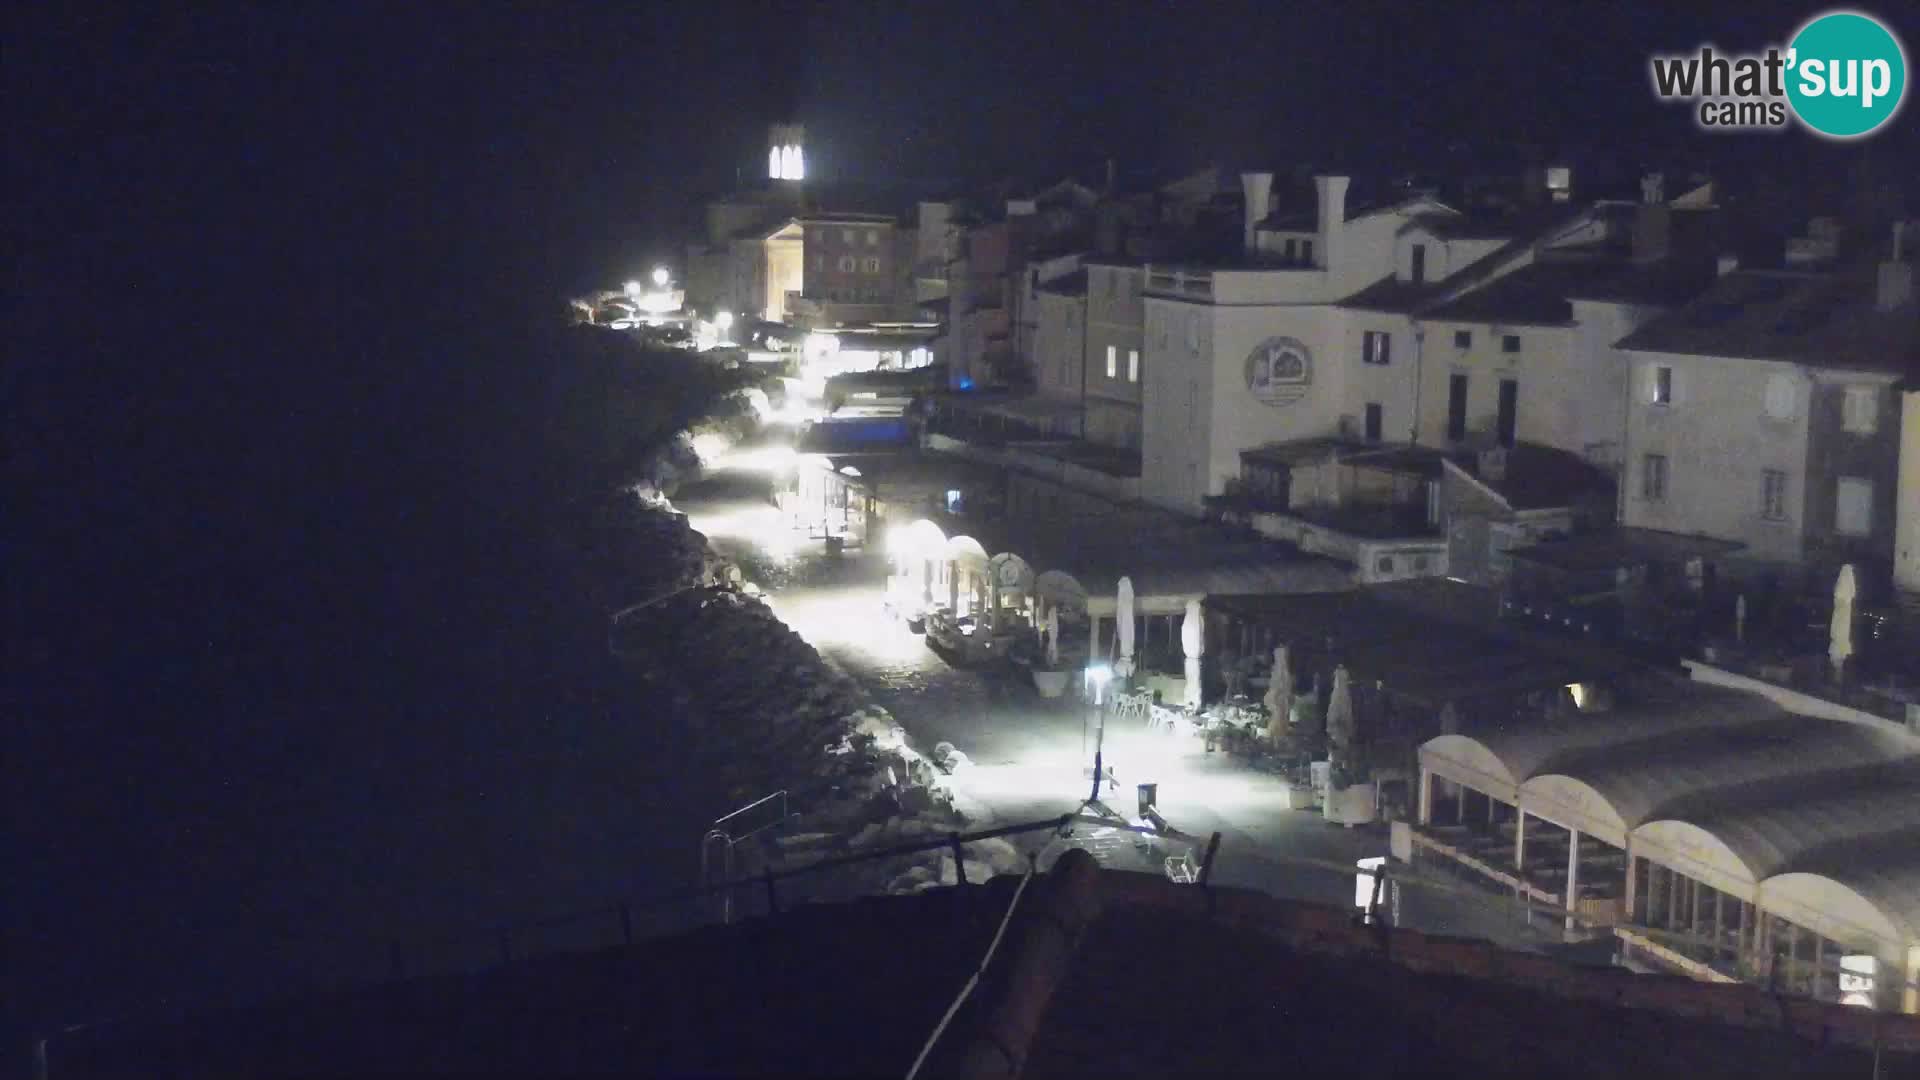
(1718, 441)
(1394, 385)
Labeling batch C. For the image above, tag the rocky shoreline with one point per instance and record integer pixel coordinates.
(771, 714)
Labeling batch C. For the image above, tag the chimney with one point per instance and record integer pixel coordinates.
(1332, 192)
(1258, 189)
(1652, 231)
(1896, 275)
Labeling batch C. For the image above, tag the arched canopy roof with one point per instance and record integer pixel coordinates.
(1464, 759)
(1506, 758)
(967, 553)
(1010, 573)
(1608, 789)
(922, 539)
(1060, 587)
(1554, 745)
(1870, 887)
(1697, 853)
(1573, 803)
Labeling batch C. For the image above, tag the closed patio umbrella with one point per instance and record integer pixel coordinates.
(1192, 641)
(1340, 718)
(1123, 625)
(1840, 633)
(1279, 695)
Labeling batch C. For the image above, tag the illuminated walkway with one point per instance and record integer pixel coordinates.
(1027, 754)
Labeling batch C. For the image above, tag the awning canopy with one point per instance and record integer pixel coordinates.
(1817, 820)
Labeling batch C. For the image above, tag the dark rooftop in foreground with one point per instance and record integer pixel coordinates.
(1168, 979)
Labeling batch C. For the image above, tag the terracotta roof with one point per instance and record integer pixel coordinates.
(1821, 320)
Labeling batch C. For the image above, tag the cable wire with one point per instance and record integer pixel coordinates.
(974, 979)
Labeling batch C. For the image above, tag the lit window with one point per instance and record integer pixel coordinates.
(1853, 506)
(1860, 410)
(1773, 494)
(1510, 343)
(846, 237)
(1133, 365)
(1113, 362)
(1376, 347)
(1779, 397)
(846, 263)
(1653, 477)
(1660, 385)
(1463, 339)
(873, 237)
(873, 266)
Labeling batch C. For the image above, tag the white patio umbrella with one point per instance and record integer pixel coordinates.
(1340, 718)
(1192, 641)
(1840, 633)
(1053, 636)
(1279, 695)
(1123, 626)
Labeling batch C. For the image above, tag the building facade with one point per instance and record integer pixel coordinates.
(1116, 346)
(1254, 349)
(1766, 413)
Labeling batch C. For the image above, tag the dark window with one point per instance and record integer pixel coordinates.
(1463, 339)
(1509, 410)
(1419, 264)
(1662, 386)
(1376, 347)
(1385, 565)
(1292, 250)
(1306, 251)
(1653, 477)
(1457, 408)
(1510, 343)
(1375, 421)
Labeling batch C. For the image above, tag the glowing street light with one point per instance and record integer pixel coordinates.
(633, 290)
(661, 277)
(723, 321)
(1098, 675)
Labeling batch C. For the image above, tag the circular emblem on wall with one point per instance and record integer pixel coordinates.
(1279, 371)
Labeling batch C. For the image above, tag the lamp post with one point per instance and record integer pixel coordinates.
(661, 277)
(1098, 675)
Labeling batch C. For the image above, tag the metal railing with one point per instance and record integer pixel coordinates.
(502, 938)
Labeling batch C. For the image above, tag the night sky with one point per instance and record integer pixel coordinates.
(274, 272)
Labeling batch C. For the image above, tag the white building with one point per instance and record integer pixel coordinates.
(1906, 558)
(1254, 349)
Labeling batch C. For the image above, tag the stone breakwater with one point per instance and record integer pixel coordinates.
(769, 713)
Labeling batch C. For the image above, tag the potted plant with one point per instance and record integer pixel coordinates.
(1049, 678)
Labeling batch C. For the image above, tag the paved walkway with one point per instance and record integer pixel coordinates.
(1030, 757)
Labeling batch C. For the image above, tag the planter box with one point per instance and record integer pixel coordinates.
(1051, 684)
(1350, 805)
(1299, 796)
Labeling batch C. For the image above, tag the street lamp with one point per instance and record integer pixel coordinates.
(723, 321)
(1098, 675)
(661, 277)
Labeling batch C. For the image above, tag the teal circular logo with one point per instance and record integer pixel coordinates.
(1846, 74)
